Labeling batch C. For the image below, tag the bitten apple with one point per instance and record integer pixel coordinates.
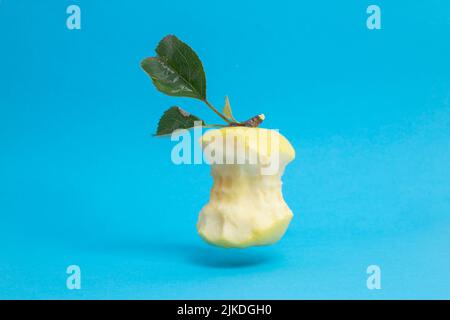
(246, 206)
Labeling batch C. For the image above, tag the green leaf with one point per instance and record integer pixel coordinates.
(227, 110)
(177, 70)
(176, 118)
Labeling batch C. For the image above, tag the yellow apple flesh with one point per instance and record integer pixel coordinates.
(246, 206)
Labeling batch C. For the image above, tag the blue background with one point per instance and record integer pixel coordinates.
(83, 182)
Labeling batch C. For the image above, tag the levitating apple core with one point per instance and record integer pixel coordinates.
(246, 207)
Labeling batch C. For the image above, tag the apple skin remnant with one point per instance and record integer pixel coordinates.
(246, 208)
